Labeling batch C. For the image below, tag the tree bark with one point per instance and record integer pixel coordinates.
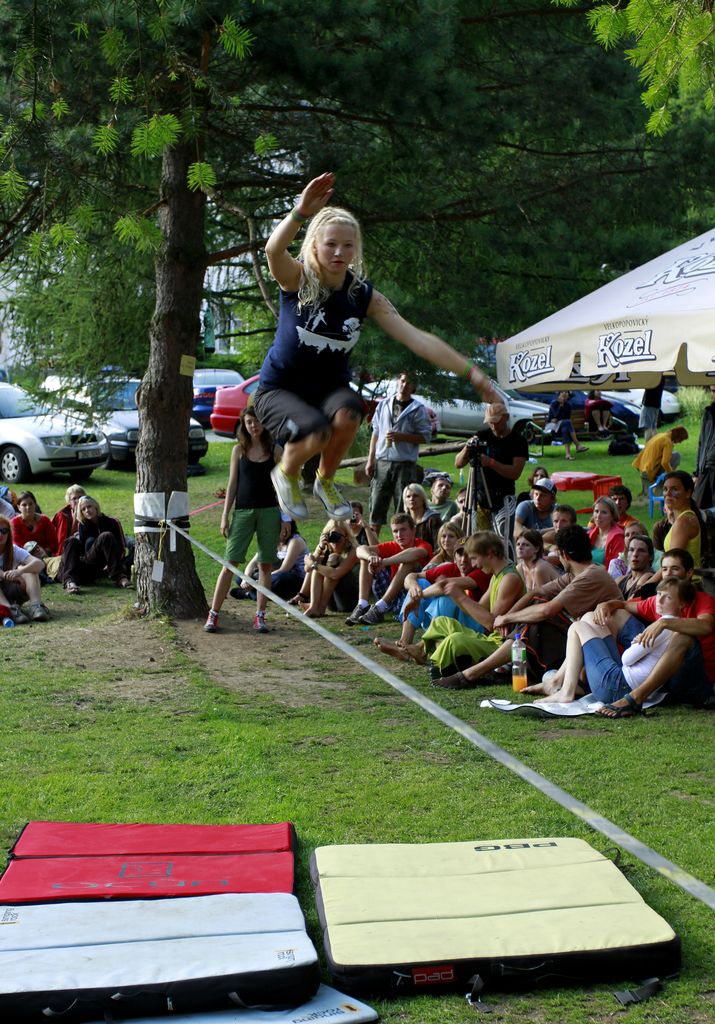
(165, 396)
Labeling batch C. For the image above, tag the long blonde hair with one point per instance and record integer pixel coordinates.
(312, 291)
(441, 554)
(85, 499)
(341, 527)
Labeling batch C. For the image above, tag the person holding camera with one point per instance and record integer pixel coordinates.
(496, 458)
(332, 583)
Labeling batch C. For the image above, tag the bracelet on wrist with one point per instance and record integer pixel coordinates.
(298, 216)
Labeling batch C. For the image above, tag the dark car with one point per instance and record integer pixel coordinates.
(120, 424)
(229, 404)
(628, 414)
(205, 384)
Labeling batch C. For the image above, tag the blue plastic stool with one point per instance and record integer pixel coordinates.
(654, 498)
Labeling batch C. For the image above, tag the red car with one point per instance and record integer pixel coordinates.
(231, 401)
(229, 404)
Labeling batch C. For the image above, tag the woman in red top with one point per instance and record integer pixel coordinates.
(606, 535)
(65, 521)
(31, 525)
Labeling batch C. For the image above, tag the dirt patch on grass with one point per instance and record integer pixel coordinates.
(107, 645)
(291, 664)
(697, 797)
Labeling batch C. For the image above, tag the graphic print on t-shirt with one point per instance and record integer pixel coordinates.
(336, 343)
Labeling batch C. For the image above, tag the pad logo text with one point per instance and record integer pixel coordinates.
(433, 975)
(487, 848)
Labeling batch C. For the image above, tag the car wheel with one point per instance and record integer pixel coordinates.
(14, 465)
(81, 474)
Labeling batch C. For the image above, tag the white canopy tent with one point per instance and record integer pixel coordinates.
(657, 319)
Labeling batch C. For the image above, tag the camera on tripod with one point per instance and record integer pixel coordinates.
(475, 447)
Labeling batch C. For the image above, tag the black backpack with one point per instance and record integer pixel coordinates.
(624, 445)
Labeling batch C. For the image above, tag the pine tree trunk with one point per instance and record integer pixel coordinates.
(165, 395)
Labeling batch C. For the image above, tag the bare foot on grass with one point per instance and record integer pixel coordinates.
(550, 684)
(313, 613)
(403, 652)
(391, 647)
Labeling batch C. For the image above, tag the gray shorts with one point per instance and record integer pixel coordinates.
(648, 419)
(288, 417)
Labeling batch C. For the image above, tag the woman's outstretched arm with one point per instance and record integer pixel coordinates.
(429, 346)
(285, 268)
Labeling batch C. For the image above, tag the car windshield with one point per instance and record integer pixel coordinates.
(15, 402)
(214, 377)
(122, 396)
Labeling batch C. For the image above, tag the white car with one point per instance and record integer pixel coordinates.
(376, 390)
(463, 414)
(669, 404)
(34, 441)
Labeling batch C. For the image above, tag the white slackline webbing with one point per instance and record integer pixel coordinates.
(667, 868)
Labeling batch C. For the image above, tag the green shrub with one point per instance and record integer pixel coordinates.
(693, 402)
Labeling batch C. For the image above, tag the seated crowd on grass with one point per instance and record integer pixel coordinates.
(79, 545)
(606, 609)
(602, 610)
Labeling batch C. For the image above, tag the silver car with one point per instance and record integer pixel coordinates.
(463, 414)
(34, 441)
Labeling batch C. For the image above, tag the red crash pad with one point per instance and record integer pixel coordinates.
(137, 877)
(55, 860)
(92, 839)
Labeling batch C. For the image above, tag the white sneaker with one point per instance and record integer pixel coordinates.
(287, 490)
(335, 504)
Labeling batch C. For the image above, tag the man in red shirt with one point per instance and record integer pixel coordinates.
(686, 670)
(404, 554)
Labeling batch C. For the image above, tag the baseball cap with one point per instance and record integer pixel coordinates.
(495, 412)
(544, 485)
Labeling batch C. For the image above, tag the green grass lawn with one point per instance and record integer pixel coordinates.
(140, 731)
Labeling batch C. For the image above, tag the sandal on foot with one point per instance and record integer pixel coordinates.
(458, 681)
(633, 708)
(71, 587)
(582, 448)
(124, 582)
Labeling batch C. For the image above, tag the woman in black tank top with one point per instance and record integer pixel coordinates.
(252, 500)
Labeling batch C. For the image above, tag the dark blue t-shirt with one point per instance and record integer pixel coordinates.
(560, 412)
(310, 352)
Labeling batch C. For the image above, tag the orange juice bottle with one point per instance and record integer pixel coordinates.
(518, 664)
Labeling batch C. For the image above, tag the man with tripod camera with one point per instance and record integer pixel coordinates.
(496, 458)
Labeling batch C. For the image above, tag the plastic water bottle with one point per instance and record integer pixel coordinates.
(518, 664)
(8, 623)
